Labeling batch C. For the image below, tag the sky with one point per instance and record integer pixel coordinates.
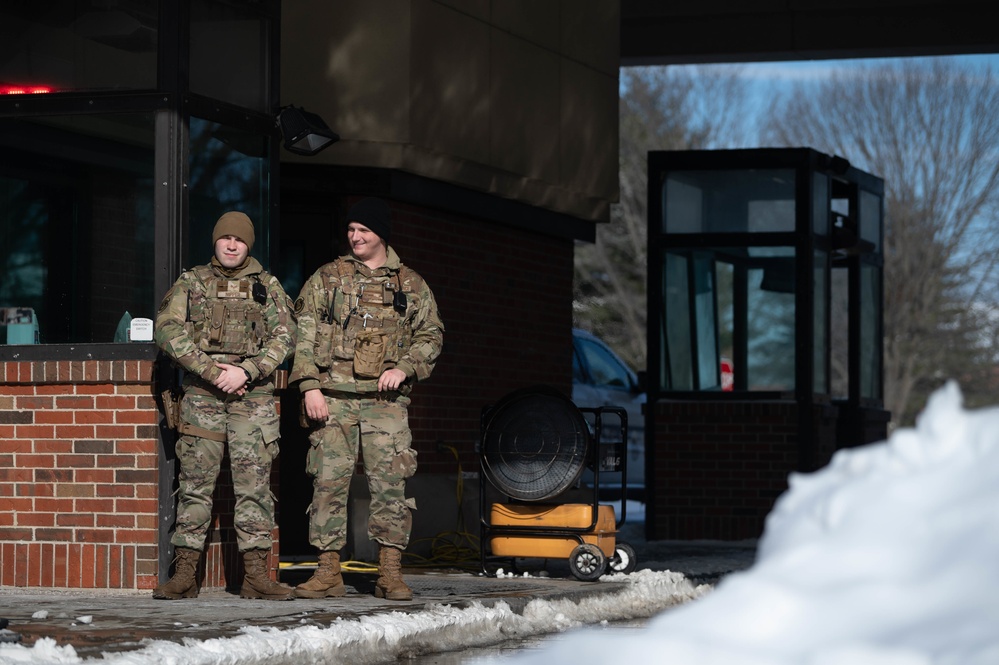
(817, 70)
(887, 556)
(764, 79)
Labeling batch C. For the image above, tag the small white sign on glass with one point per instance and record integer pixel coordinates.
(140, 330)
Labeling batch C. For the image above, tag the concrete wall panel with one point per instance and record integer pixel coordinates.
(469, 93)
(449, 92)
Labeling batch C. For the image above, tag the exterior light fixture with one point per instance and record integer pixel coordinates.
(304, 133)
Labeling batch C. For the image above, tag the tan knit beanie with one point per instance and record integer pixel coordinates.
(234, 224)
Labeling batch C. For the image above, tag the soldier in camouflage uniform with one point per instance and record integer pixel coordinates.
(369, 329)
(229, 324)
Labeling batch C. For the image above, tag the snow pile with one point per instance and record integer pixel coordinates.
(888, 556)
(385, 638)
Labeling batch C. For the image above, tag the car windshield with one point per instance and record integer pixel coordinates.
(604, 368)
(578, 370)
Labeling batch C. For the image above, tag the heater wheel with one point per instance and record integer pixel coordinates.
(624, 560)
(587, 562)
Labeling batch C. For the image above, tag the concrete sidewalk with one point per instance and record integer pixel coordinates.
(96, 622)
(99, 621)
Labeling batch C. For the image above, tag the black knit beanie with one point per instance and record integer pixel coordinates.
(374, 213)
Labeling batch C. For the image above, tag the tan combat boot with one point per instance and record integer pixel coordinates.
(184, 583)
(257, 583)
(326, 582)
(390, 584)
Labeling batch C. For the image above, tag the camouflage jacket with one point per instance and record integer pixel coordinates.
(206, 318)
(344, 302)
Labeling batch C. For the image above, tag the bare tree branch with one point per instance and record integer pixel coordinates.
(671, 108)
(931, 130)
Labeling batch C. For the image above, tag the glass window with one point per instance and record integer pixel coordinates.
(76, 222)
(770, 346)
(839, 326)
(820, 204)
(820, 321)
(725, 297)
(705, 323)
(729, 201)
(870, 218)
(678, 371)
(229, 59)
(72, 45)
(741, 309)
(870, 332)
(229, 170)
(820, 285)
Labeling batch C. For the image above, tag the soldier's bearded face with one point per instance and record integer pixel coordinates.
(231, 251)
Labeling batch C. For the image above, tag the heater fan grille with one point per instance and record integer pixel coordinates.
(534, 444)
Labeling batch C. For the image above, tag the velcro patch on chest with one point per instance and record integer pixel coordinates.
(233, 288)
(373, 296)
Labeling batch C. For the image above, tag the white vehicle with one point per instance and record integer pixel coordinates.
(601, 378)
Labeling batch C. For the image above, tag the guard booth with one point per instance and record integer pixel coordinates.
(765, 330)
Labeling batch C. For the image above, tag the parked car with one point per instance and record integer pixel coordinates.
(601, 378)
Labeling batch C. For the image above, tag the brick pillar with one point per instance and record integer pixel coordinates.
(78, 474)
(79, 479)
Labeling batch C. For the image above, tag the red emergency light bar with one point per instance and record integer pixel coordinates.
(24, 89)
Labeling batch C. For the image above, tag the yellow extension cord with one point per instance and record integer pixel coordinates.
(455, 549)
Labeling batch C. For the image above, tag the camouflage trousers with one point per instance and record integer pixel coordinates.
(252, 427)
(379, 428)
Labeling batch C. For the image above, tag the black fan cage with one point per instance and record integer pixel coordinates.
(534, 444)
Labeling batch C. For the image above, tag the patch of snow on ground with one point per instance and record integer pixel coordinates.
(384, 638)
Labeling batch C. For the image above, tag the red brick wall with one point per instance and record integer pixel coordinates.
(505, 296)
(78, 474)
(79, 479)
(719, 466)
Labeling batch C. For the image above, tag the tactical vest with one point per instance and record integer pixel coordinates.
(365, 321)
(226, 315)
